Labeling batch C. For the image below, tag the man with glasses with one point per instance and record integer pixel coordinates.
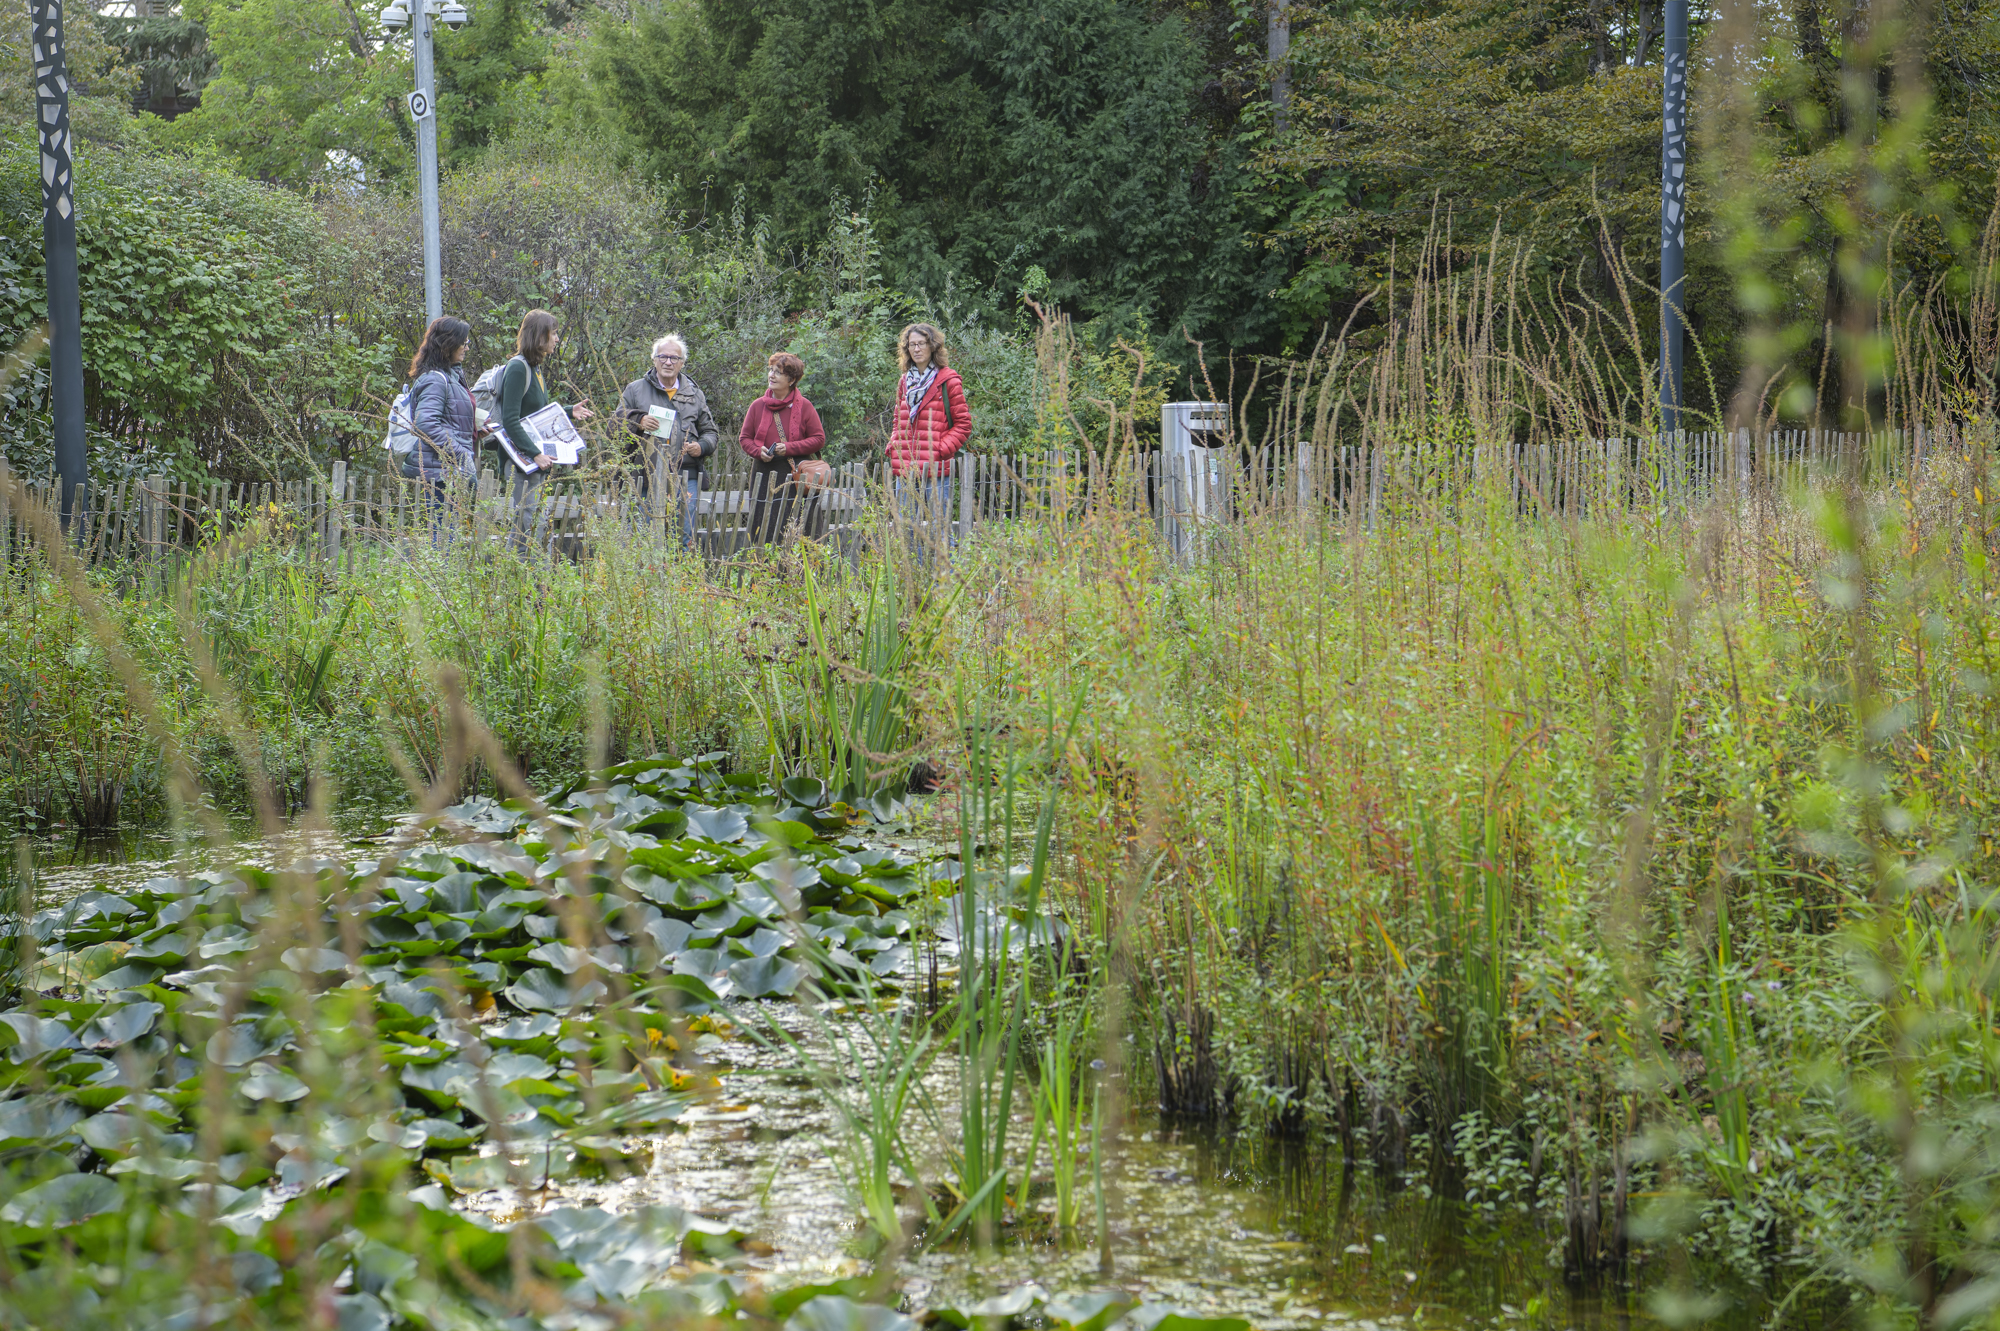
(673, 432)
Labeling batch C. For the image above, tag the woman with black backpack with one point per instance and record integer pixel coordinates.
(442, 417)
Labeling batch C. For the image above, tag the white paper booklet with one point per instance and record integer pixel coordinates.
(554, 431)
(666, 416)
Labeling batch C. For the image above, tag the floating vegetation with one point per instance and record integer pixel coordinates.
(251, 1095)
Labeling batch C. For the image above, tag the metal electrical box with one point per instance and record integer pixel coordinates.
(1191, 435)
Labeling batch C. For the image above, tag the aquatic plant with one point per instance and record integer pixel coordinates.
(213, 1047)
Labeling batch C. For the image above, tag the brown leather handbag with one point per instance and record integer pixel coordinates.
(808, 474)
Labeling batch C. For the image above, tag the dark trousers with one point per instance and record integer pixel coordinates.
(779, 503)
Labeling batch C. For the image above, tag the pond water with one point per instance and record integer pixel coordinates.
(1215, 1221)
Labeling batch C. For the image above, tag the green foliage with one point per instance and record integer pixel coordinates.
(794, 104)
(1091, 105)
(1833, 151)
(169, 52)
(101, 79)
(298, 94)
(486, 74)
(1045, 134)
(198, 292)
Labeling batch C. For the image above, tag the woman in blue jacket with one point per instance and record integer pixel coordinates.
(441, 413)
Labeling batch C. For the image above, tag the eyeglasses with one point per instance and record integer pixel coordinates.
(666, 357)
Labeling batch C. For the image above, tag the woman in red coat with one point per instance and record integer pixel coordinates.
(780, 430)
(931, 426)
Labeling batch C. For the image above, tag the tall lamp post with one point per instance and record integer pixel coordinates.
(58, 166)
(420, 14)
(1673, 213)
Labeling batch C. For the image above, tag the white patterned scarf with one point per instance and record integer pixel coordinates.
(916, 383)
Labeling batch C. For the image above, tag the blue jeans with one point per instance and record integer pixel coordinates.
(434, 495)
(923, 508)
(690, 497)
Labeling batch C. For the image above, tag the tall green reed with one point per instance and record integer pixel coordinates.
(1000, 929)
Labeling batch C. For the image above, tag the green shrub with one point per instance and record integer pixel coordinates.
(199, 314)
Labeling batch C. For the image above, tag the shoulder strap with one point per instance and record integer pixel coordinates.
(944, 391)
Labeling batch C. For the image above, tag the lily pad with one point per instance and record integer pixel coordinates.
(834, 1312)
(766, 977)
(68, 1200)
(720, 825)
(269, 1083)
(120, 1026)
(545, 991)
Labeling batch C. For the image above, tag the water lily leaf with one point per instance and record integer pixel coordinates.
(389, 928)
(360, 1312)
(568, 1226)
(476, 1173)
(417, 1002)
(671, 937)
(495, 1104)
(254, 1272)
(505, 1068)
(314, 960)
(520, 1029)
(1166, 1317)
(442, 1136)
(890, 961)
(496, 921)
(1088, 1312)
(785, 1302)
(434, 1082)
(457, 893)
(34, 1121)
(760, 943)
(766, 977)
(129, 976)
(174, 1169)
(569, 960)
(59, 1202)
(36, 1035)
(545, 991)
(806, 790)
(686, 993)
(708, 965)
(1001, 1308)
(118, 1134)
(237, 1044)
(648, 1109)
(120, 1026)
(218, 943)
(720, 825)
(408, 1137)
(269, 1083)
(833, 1312)
(170, 949)
(786, 832)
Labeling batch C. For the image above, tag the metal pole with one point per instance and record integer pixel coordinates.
(59, 252)
(427, 162)
(1673, 213)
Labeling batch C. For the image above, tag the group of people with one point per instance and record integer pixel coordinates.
(671, 432)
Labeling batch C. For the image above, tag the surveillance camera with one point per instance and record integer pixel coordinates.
(395, 18)
(453, 14)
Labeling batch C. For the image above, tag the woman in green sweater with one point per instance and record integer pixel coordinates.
(522, 393)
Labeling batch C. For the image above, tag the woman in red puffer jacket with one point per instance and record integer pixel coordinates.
(932, 425)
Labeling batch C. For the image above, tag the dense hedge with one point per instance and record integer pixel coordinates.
(200, 312)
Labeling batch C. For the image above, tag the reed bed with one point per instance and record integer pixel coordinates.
(1627, 865)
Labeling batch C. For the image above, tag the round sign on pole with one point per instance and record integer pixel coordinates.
(419, 103)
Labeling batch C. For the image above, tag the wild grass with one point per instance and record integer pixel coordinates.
(1634, 863)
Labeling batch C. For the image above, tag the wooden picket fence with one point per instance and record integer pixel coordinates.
(144, 521)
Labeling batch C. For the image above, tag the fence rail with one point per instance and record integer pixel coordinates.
(147, 519)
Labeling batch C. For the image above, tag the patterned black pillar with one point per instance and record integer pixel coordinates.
(59, 249)
(1673, 213)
